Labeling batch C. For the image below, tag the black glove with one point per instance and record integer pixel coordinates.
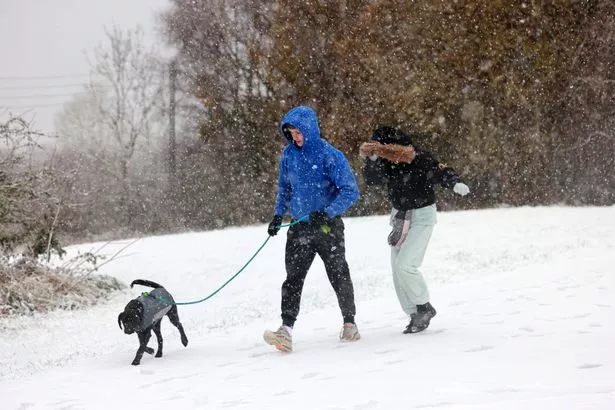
(319, 218)
(274, 226)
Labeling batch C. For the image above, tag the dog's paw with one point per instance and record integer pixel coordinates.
(159, 354)
(136, 362)
(149, 350)
(184, 340)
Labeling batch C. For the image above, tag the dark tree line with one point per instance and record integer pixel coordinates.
(517, 96)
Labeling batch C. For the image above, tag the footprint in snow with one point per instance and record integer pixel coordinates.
(504, 390)
(233, 376)
(372, 404)
(234, 403)
(489, 314)
(245, 349)
(394, 362)
(310, 375)
(527, 329)
(479, 349)
(566, 287)
(385, 351)
(589, 366)
(255, 355)
(434, 405)
(496, 322)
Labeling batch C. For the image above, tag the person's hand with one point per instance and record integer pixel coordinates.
(368, 149)
(461, 189)
(319, 218)
(274, 226)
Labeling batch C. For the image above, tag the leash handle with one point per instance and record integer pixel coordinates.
(295, 222)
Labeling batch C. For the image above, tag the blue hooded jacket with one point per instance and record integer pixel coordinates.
(314, 177)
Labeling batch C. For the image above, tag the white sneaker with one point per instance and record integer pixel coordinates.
(281, 339)
(349, 333)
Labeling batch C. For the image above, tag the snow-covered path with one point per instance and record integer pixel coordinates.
(525, 300)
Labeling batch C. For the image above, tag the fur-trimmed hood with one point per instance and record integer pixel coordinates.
(394, 153)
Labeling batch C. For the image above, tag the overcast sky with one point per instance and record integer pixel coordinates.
(49, 38)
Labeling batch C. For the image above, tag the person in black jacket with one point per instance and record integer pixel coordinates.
(410, 175)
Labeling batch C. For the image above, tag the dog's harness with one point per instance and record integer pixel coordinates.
(154, 307)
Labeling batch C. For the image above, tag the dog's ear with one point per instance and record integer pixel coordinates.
(120, 317)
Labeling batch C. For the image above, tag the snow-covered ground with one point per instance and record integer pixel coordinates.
(525, 300)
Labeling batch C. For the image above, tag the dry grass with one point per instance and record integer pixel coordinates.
(27, 288)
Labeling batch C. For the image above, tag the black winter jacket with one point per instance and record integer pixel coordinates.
(410, 186)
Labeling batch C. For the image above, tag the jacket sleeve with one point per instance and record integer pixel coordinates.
(282, 201)
(341, 176)
(374, 172)
(439, 173)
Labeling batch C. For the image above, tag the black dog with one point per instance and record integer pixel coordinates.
(143, 314)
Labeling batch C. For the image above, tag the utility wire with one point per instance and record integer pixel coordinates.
(25, 107)
(20, 97)
(36, 87)
(48, 77)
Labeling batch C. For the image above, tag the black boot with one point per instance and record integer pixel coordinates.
(420, 320)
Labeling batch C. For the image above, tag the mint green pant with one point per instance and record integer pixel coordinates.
(409, 282)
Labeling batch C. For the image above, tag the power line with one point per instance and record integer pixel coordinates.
(25, 107)
(36, 87)
(48, 77)
(25, 97)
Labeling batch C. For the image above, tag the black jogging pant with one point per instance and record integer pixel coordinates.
(303, 242)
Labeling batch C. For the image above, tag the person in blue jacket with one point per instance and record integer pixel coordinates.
(316, 186)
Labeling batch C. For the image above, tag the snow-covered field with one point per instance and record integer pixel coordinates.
(525, 300)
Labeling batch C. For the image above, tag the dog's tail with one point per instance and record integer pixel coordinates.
(145, 283)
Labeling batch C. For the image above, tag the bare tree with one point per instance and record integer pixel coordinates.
(118, 121)
(129, 107)
(16, 188)
(26, 198)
